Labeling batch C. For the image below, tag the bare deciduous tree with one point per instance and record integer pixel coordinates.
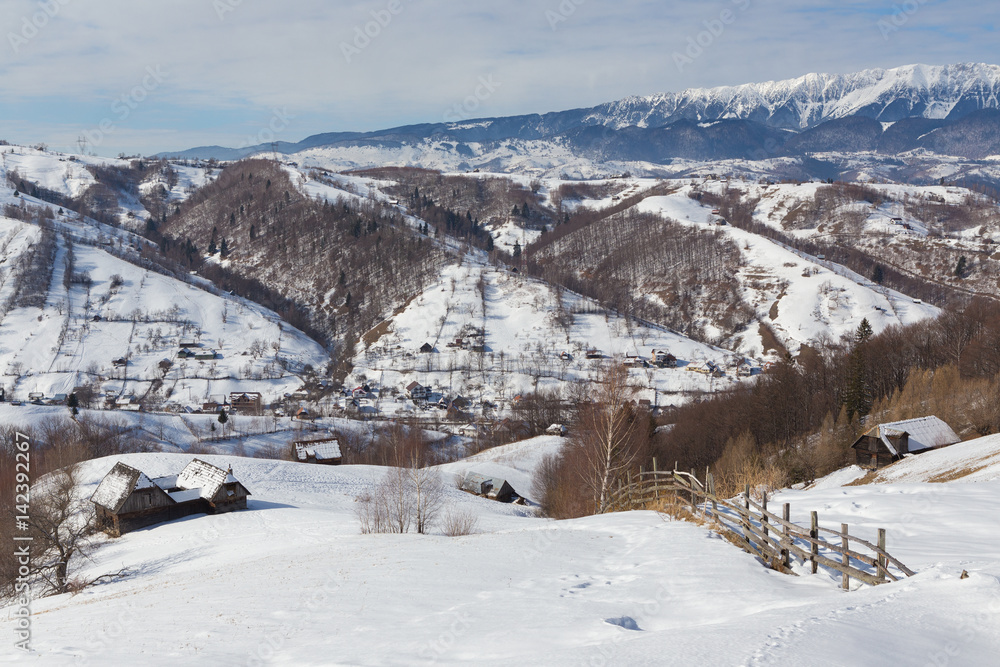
(609, 435)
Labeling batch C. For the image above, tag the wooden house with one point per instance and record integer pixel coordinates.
(594, 354)
(322, 452)
(493, 488)
(885, 443)
(127, 499)
(426, 348)
(247, 402)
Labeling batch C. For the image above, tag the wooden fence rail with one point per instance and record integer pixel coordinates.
(775, 539)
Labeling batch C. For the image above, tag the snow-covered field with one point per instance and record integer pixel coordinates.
(527, 325)
(291, 581)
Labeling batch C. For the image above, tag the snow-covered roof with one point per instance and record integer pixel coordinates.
(117, 485)
(166, 482)
(204, 476)
(185, 496)
(924, 433)
(321, 450)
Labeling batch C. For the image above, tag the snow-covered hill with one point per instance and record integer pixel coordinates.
(112, 309)
(803, 298)
(527, 327)
(291, 581)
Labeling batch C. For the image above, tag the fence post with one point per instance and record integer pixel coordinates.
(786, 553)
(846, 560)
(711, 489)
(694, 490)
(746, 517)
(629, 487)
(763, 517)
(656, 482)
(882, 564)
(814, 534)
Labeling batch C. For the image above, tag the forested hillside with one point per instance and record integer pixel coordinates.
(343, 265)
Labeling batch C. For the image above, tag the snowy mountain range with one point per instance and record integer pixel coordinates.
(754, 119)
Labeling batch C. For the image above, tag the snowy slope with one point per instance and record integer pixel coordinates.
(803, 298)
(528, 325)
(74, 338)
(291, 581)
(971, 461)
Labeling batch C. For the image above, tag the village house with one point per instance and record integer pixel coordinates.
(426, 348)
(247, 402)
(663, 359)
(127, 499)
(885, 443)
(634, 362)
(417, 391)
(323, 452)
(493, 488)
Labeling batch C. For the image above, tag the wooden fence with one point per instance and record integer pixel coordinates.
(774, 539)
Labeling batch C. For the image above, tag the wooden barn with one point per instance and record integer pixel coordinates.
(324, 452)
(127, 499)
(493, 488)
(885, 443)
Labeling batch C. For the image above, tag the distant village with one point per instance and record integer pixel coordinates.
(467, 416)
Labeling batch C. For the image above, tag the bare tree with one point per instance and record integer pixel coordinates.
(426, 495)
(61, 523)
(608, 434)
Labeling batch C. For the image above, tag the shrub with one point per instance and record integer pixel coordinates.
(460, 522)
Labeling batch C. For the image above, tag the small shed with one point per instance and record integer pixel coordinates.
(426, 348)
(493, 488)
(885, 443)
(323, 452)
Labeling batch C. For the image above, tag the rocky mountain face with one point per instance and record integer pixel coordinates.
(944, 109)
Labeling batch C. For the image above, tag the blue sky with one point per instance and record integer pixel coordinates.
(172, 75)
